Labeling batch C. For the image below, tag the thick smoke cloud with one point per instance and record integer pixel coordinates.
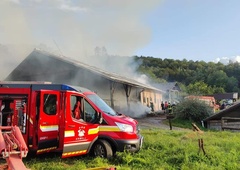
(71, 28)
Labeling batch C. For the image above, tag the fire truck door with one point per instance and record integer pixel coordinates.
(48, 124)
(79, 133)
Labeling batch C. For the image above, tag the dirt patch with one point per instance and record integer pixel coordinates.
(152, 122)
(155, 121)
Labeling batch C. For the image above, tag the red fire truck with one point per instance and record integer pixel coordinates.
(67, 119)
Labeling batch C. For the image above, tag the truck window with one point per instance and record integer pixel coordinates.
(101, 104)
(90, 113)
(82, 110)
(7, 112)
(76, 107)
(50, 103)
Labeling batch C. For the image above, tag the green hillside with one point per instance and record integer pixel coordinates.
(215, 77)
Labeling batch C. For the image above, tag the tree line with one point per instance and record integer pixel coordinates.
(195, 77)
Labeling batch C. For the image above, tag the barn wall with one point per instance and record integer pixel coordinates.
(148, 96)
(214, 124)
(228, 125)
(133, 107)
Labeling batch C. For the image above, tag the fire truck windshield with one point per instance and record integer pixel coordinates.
(101, 104)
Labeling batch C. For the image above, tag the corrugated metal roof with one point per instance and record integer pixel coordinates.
(107, 75)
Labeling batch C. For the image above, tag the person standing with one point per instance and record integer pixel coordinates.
(163, 108)
(152, 106)
(166, 106)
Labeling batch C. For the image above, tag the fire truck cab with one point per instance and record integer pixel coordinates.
(120, 132)
(51, 117)
(68, 119)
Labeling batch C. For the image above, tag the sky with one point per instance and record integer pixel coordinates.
(205, 30)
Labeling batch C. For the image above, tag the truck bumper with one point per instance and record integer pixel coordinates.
(132, 145)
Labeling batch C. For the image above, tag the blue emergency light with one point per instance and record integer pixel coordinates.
(67, 87)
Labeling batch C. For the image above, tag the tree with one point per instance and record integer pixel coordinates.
(218, 90)
(218, 78)
(199, 88)
(232, 85)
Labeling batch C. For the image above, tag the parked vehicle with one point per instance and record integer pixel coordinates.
(67, 119)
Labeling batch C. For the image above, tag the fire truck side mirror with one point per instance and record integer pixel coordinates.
(100, 119)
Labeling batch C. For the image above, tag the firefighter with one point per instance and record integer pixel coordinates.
(169, 108)
(77, 110)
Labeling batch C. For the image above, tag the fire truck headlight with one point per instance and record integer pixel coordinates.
(124, 127)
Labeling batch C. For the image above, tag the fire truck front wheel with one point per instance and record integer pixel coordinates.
(102, 149)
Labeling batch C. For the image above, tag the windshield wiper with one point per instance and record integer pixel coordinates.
(119, 113)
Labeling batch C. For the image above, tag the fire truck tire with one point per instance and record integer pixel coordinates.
(102, 149)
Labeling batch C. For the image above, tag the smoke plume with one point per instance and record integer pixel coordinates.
(71, 28)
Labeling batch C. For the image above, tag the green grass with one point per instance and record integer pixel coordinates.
(176, 122)
(162, 149)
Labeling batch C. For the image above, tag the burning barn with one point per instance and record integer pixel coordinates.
(122, 93)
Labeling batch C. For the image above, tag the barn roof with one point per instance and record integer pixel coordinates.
(231, 111)
(221, 96)
(111, 76)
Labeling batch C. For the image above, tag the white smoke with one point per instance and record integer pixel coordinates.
(136, 110)
(143, 78)
(72, 28)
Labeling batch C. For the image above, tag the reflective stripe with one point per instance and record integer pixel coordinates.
(47, 149)
(93, 131)
(31, 121)
(76, 144)
(69, 133)
(49, 128)
(109, 128)
(75, 147)
(74, 153)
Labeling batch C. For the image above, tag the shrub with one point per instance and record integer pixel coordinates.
(193, 110)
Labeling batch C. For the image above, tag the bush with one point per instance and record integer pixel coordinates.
(193, 110)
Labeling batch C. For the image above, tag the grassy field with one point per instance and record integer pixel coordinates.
(162, 149)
